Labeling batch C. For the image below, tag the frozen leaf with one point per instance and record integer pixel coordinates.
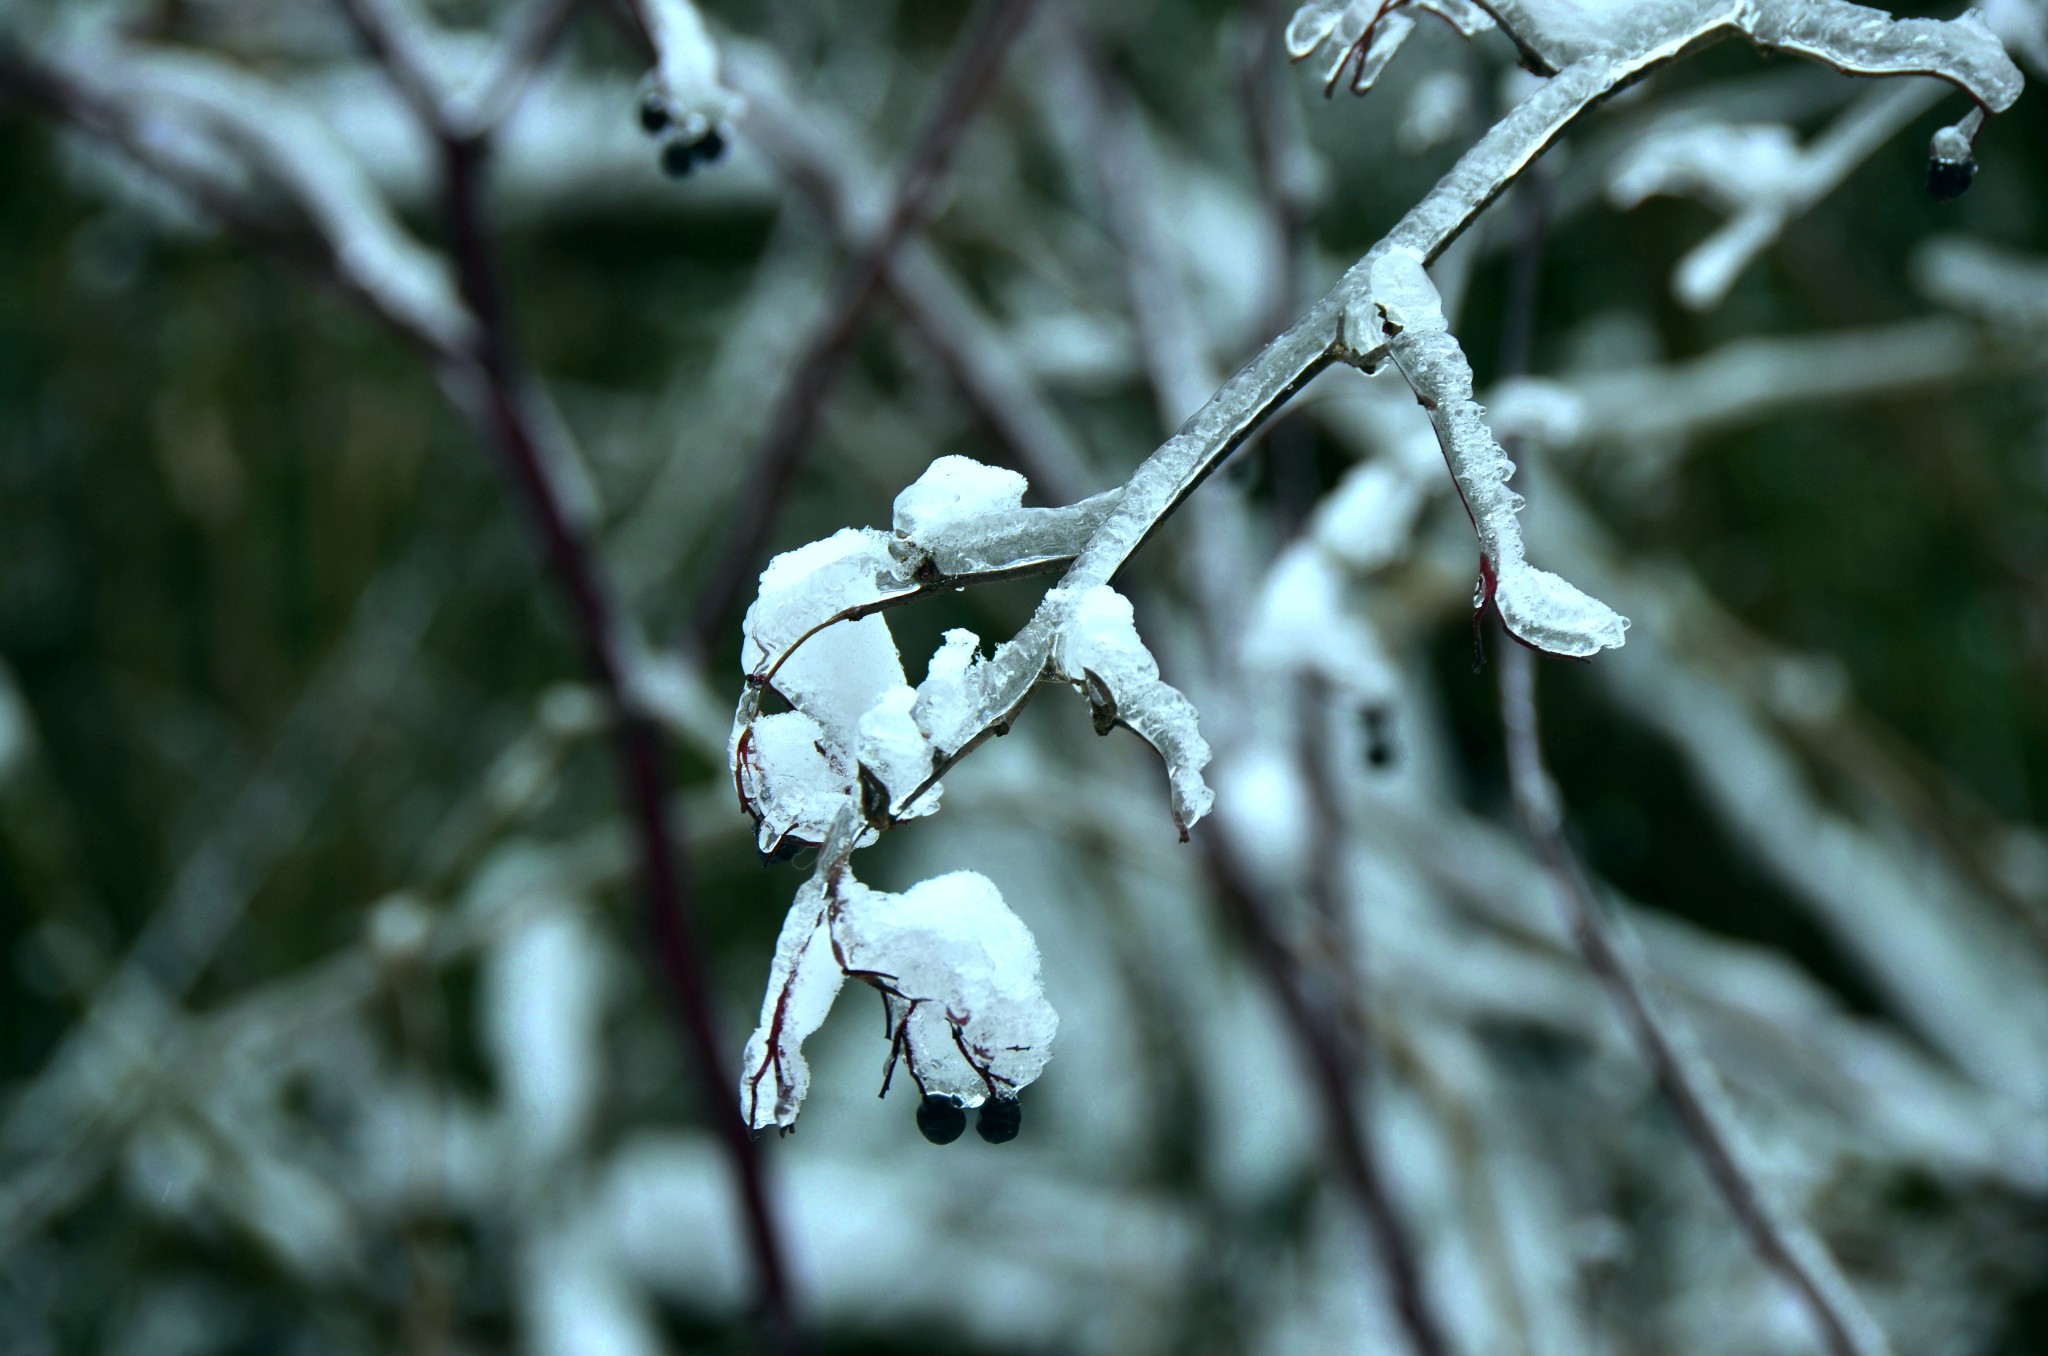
(948, 700)
(803, 980)
(802, 591)
(957, 970)
(1537, 607)
(959, 973)
(789, 778)
(1098, 650)
(896, 754)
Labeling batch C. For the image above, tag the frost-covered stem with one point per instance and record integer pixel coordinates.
(1783, 1242)
(1335, 1077)
(977, 57)
(637, 744)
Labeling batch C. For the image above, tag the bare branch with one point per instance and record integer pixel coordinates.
(977, 56)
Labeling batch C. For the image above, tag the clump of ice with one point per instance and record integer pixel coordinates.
(954, 490)
(967, 1010)
(1537, 607)
(1369, 33)
(803, 979)
(1098, 650)
(958, 972)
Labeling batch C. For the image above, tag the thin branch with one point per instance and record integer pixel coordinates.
(1316, 1032)
(637, 744)
(395, 42)
(977, 56)
(1781, 1239)
(535, 33)
(487, 381)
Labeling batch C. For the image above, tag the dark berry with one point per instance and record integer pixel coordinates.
(999, 1120)
(711, 147)
(1948, 180)
(678, 158)
(941, 1119)
(653, 114)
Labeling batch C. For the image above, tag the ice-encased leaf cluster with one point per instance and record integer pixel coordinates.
(1098, 650)
(958, 973)
(856, 733)
(860, 750)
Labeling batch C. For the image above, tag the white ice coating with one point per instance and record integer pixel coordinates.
(2005, 290)
(1098, 650)
(685, 76)
(259, 124)
(1367, 520)
(1761, 177)
(802, 589)
(959, 972)
(948, 700)
(791, 778)
(1850, 37)
(897, 752)
(1341, 27)
(1536, 606)
(957, 969)
(803, 979)
(956, 490)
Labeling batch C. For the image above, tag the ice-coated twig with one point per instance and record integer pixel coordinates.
(977, 57)
(1537, 607)
(1779, 1237)
(1592, 57)
(1759, 177)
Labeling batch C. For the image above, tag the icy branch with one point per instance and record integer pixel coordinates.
(1539, 608)
(1759, 176)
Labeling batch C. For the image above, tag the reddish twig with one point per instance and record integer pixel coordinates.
(637, 743)
(976, 58)
(490, 384)
(1689, 1082)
